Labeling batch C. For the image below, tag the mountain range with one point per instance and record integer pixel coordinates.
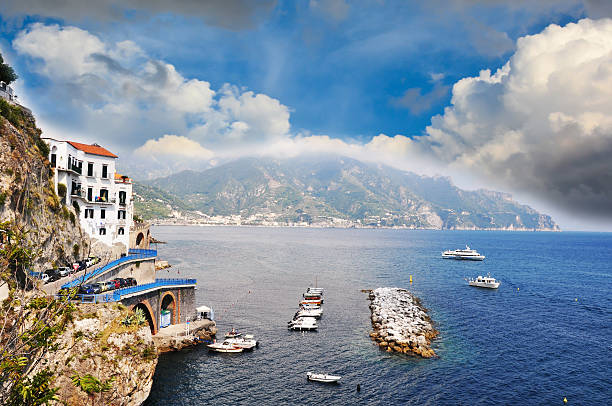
(328, 191)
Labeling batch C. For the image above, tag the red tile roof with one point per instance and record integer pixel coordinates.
(92, 149)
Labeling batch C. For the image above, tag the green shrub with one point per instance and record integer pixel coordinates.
(2, 198)
(72, 218)
(76, 206)
(43, 148)
(61, 190)
(75, 250)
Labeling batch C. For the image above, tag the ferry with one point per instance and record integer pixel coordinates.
(466, 254)
(484, 282)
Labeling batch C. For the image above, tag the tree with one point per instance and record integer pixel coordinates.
(7, 74)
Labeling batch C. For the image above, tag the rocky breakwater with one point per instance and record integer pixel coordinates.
(400, 322)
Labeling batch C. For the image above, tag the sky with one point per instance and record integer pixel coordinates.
(506, 95)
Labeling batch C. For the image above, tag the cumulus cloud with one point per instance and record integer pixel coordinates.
(540, 123)
(231, 14)
(117, 93)
(174, 146)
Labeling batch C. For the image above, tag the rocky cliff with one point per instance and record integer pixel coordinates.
(27, 197)
(103, 341)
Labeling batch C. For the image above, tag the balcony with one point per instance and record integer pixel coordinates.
(78, 193)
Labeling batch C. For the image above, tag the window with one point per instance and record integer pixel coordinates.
(102, 214)
(90, 194)
(122, 196)
(103, 195)
(90, 169)
(104, 171)
(121, 231)
(53, 160)
(103, 231)
(121, 214)
(89, 213)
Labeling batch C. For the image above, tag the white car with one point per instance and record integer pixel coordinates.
(45, 277)
(63, 271)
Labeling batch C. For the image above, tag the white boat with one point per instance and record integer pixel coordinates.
(310, 306)
(484, 282)
(247, 342)
(322, 377)
(232, 334)
(315, 290)
(312, 302)
(466, 254)
(303, 323)
(225, 346)
(316, 313)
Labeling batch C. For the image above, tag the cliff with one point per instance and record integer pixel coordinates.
(106, 342)
(28, 201)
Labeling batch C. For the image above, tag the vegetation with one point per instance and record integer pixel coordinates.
(61, 190)
(92, 385)
(30, 324)
(7, 74)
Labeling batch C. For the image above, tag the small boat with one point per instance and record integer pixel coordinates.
(484, 282)
(225, 346)
(309, 306)
(316, 313)
(322, 377)
(303, 323)
(466, 254)
(311, 301)
(247, 342)
(232, 334)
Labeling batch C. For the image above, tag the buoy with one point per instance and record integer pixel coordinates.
(517, 289)
(410, 278)
(576, 299)
(358, 388)
(564, 399)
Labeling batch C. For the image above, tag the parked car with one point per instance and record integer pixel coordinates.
(45, 277)
(97, 288)
(79, 265)
(63, 271)
(117, 283)
(131, 281)
(86, 289)
(110, 285)
(92, 260)
(53, 275)
(123, 282)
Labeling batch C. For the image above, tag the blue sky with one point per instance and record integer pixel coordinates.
(363, 78)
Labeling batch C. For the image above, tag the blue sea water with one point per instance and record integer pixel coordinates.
(545, 334)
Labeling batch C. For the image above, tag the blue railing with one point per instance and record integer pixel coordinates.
(116, 295)
(133, 254)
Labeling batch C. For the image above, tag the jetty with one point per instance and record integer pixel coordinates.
(400, 322)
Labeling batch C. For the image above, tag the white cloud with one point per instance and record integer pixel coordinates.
(541, 123)
(173, 146)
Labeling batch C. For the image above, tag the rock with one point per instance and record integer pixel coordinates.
(400, 322)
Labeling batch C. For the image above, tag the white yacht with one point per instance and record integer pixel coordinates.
(225, 346)
(484, 282)
(322, 377)
(316, 313)
(303, 323)
(466, 254)
(247, 342)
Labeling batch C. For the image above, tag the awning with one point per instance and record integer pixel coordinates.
(203, 309)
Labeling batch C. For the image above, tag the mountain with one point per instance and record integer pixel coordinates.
(330, 191)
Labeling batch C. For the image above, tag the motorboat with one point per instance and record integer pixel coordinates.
(315, 290)
(311, 301)
(247, 342)
(225, 346)
(309, 306)
(484, 282)
(232, 334)
(322, 377)
(316, 313)
(303, 323)
(466, 254)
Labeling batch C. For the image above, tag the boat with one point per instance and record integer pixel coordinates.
(484, 282)
(309, 306)
(303, 323)
(322, 377)
(232, 334)
(316, 313)
(315, 290)
(247, 342)
(225, 346)
(311, 301)
(466, 254)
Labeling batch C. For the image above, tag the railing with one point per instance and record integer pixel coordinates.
(142, 254)
(116, 295)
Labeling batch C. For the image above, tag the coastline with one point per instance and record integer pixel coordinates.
(162, 223)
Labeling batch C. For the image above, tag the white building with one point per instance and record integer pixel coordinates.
(103, 197)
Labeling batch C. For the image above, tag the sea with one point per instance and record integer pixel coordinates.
(544, 335)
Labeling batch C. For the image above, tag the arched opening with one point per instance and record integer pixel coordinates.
(139, 239)
(147, 314)
(167, 310)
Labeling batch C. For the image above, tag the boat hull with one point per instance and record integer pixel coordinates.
(322, 378)
(485, 285)
(460, 258)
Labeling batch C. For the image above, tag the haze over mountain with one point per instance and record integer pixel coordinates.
(332, 190)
